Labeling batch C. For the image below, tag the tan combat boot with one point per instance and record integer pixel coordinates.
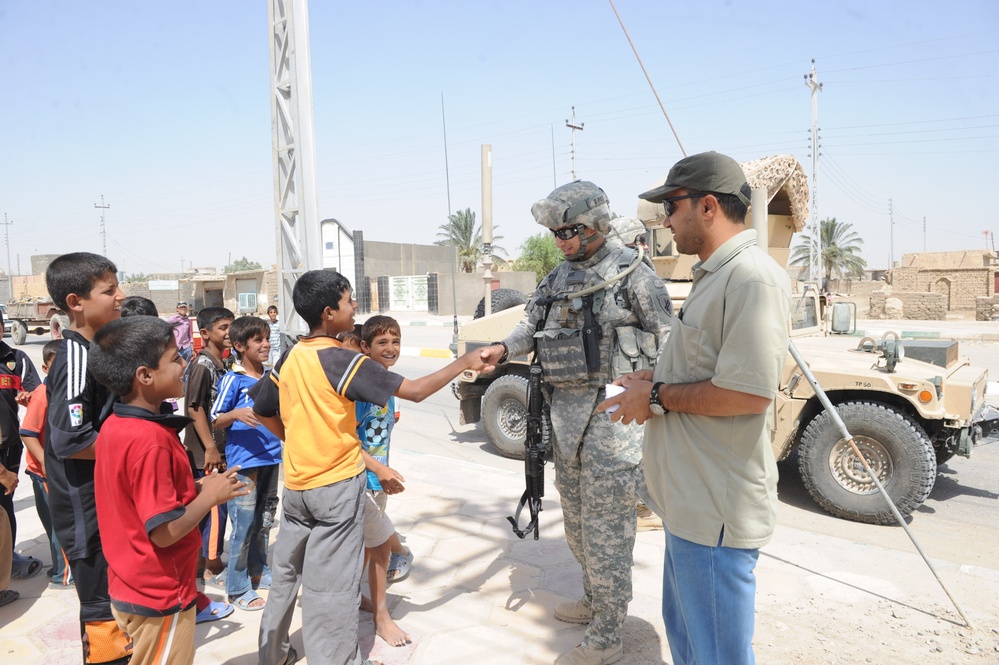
(576, 611)
(587, 655)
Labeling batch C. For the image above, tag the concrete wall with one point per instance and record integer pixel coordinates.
(922, 306)
(857, 291)
(165, 301)
(470, 289)
(28, 286)
(987, 308)
(40, 262)
(398, 259)
(969, 258)
(960, 277)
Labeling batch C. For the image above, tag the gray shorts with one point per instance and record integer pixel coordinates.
(378, 528)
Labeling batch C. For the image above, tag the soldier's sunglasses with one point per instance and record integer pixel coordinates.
(670, 203)
(566, 232)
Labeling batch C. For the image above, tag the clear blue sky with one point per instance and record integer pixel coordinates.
(165, 110)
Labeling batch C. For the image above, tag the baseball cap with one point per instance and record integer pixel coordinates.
(703, 172)
(182, 304)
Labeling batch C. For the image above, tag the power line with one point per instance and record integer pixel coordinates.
(913, 62)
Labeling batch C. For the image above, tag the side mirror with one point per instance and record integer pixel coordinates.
(844, 318)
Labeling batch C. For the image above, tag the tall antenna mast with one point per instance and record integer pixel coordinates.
(573, 126)
(296, 209)
(104, 235)
(815, 250)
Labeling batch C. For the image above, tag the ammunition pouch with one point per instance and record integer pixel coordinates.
(563, 356)
(634, 349)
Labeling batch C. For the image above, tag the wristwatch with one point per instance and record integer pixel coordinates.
(655, 405)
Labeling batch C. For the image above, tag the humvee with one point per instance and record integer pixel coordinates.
(910, 404)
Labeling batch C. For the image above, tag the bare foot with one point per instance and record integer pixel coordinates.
(388, 630)
(366, 604)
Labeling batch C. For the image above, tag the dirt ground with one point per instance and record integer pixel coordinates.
(836, 591)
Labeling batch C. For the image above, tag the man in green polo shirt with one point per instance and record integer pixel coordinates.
(709, 468)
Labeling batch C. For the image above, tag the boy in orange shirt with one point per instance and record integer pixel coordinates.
(33, 436)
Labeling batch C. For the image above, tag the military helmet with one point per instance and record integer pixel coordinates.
(579, 202)
(627, 230)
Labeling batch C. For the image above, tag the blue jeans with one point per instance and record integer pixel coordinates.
(251, 518)
(186, 353)
(709, 594)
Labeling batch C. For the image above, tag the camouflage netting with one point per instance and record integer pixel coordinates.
(776, 173)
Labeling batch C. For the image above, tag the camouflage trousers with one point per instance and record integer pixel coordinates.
(598, 491)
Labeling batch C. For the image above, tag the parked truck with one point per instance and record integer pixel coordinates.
(37, 316)
(910, 404)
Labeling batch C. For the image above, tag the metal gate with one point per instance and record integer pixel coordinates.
(408, 294)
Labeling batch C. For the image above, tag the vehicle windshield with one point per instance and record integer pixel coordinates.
(803, 313)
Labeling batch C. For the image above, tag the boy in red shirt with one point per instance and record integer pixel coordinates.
(148, 506)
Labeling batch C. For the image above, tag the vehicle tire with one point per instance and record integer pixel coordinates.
(504, 414)
(18, 332)
(57, 324)
(501, 299)
(896, 448)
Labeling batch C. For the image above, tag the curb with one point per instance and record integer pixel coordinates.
(427, 353)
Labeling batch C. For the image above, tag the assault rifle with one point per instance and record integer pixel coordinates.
(536, 449)
(536, 446)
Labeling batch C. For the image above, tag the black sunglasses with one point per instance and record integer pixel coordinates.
(670, 203)
(566, 233)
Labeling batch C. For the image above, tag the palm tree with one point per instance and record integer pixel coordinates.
(840, 251)
(461, 232)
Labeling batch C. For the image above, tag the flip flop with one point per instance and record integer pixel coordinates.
(25, 568)
(8, 596)
(215, 611)
(216, 581)
(264, 582)
(399, 566)
(243, 602)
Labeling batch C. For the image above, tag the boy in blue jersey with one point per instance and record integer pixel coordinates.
(258, 453)
(381, 339)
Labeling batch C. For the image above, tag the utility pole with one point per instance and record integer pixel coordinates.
(924, 235)
(104, 235)
(6, 239)
(815, 251)
(891, 231)
(573, 126)
(487, 225)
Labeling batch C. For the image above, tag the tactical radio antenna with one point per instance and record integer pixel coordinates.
(647, 78)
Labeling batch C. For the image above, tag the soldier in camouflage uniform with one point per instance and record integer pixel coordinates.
(588, 340)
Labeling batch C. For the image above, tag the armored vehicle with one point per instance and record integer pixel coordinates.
(910, 404)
